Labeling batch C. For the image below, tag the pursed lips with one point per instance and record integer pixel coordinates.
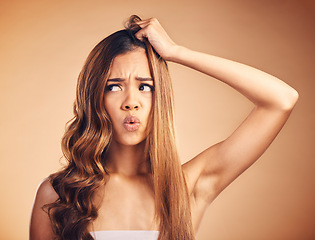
(131, 123)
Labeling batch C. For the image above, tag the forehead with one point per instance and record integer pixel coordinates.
(131, 63)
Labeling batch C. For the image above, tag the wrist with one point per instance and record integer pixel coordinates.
(173, 53)
(176, 53)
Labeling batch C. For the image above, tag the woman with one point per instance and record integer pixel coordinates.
(123, 170)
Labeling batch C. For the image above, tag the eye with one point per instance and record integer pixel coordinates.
(146, 88)
(113, 88)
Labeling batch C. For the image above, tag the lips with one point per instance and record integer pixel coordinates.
(131, 123)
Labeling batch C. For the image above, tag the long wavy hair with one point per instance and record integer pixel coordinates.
(89, 133)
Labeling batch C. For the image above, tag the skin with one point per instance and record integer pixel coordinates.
(129, 198)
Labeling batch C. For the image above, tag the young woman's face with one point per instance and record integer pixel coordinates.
(128, 97)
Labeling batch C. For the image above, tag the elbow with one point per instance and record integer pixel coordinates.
(289, 100)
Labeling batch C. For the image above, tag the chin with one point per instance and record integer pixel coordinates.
(131, 141)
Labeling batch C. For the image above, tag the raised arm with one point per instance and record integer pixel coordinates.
(273, 100)
(216, 167)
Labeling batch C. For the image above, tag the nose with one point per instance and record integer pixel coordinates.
(130, 107)
(131, 101)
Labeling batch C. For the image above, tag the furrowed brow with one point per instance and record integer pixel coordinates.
(115, 80)
(137, 78)
(144, 79)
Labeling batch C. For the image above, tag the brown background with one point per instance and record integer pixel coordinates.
(43, 45)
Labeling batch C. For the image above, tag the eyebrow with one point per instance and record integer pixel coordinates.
(137, 78)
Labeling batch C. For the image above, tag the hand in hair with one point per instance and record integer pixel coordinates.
(152, 30)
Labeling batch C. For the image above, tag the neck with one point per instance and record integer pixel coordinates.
(127, 160)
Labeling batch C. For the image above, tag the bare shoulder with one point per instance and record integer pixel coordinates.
(201, 189)
(194, 168)
(45, 192)
(40, 225)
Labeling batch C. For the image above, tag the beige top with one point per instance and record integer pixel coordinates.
(125, 235)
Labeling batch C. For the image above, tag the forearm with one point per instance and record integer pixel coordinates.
(263, 89)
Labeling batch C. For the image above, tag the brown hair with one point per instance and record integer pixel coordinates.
(89, 133)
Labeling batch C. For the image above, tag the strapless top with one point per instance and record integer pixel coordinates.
(125, 235)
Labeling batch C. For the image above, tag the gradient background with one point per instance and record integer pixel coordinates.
(43, 46)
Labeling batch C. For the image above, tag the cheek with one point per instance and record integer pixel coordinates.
(149, 113)
(148, 101)
(110, 109)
